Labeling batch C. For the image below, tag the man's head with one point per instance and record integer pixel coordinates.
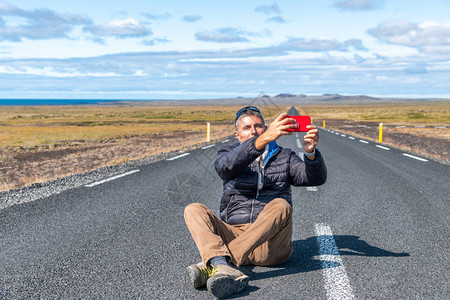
(249, 123)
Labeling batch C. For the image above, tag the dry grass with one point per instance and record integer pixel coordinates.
(430, 142)
(30, 127)
(426, 113)
(41, 143)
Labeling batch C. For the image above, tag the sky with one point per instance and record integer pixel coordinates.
(145, 49)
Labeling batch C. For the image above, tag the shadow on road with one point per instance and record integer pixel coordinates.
(303, 258)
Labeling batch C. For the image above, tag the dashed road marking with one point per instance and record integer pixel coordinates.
(343, 135)
(415, 157)
(299, 144)
(209, 146)
(363, 141)
(224, 141)
(352, 138)
(111, 178)
(337, 284)
(176, 157)
(312, 188)
(381, 147)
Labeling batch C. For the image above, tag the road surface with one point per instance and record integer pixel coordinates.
(377, 229)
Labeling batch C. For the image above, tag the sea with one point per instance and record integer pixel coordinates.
(4, 102)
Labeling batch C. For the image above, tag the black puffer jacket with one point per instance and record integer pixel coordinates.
(237, 165)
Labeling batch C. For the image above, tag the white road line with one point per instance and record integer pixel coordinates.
(381, 147)
(312, 188)
(419, 126)
(440, 127)
(336, 280)
(343, 135)
(224, 141)
(400, 126)
(181, 155)
(299, 144)
(363, 141)
(336, 133)
(209, 146)
(111, 178)
(350, 137)
(332, 131)
(415, 157)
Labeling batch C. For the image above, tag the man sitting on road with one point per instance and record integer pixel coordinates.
(255, 225)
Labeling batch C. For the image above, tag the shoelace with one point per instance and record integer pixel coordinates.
(208, 271)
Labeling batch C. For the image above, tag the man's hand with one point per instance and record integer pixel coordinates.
(310, 140)
(275, 130)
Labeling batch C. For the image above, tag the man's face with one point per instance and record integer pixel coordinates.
(248, 127)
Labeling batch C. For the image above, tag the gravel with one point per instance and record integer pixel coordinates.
(41, 190)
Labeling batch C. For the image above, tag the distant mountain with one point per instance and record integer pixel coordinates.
(284, 95)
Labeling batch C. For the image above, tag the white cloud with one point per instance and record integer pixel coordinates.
(430, 37)
(268, 9)
(222, 35)
(38, 24)
(358, 5)
(276, 19)
(320, 44)
(330, 65)
(157, 17)
(52, 72)
(155, 41)
(121, 28)
(191, 18)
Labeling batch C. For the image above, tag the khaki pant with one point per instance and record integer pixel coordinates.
(266, 242)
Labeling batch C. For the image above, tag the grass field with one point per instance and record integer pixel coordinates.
(404, 113)
(40, 143)
(33, 126)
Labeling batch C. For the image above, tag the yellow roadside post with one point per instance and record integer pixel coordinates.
(208, 130)
(380, 138)
(323, 123)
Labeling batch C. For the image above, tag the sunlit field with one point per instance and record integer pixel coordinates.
(41, 143)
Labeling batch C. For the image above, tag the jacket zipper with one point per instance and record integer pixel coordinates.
(261, 172)
(260, 179)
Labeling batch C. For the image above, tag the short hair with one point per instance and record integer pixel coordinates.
(248, 113)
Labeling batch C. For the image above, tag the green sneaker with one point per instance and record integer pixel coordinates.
(199, 274)
(226, 281)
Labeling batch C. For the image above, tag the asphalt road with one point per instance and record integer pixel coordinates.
(377, 229)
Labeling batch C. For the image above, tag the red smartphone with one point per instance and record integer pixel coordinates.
(301, 122)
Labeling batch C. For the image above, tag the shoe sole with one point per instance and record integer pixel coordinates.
(195, 276)
(223, 286)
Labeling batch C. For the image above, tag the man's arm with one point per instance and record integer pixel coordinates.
(308, 172)
(230, 161)
(310, 141)
(275, 130)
